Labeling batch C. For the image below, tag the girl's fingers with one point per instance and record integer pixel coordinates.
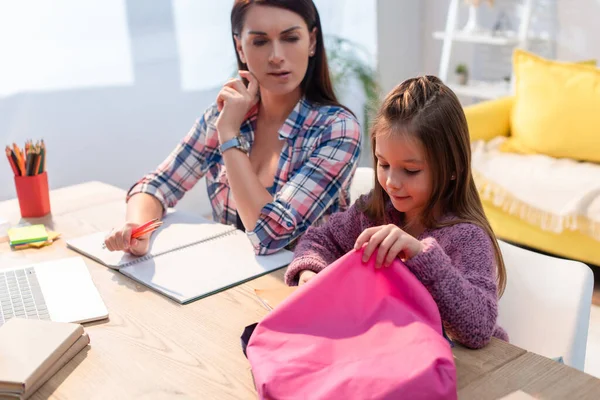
(305, 276)
(365, 236)
(394, 252)
(374, 243)
(385, 246)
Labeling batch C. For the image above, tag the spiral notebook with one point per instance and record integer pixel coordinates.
(190, 257)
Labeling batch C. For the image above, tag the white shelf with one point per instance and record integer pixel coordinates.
(519, 37)
(500, 39)
(482, 38)
(481, 89)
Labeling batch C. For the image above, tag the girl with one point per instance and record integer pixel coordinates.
(277, 148)
(424, 209)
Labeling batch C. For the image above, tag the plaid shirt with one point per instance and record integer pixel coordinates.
(317, 163)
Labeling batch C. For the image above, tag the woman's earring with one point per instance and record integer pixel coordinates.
(453, 177)
(312, 53)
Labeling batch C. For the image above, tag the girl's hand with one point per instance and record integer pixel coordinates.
(121, 240)
(390, 241)
(233, 102)
(305, 276)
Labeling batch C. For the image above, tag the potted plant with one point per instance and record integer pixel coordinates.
(349, 60)
(462, 74)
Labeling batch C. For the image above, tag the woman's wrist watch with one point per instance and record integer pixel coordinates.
(238, 142)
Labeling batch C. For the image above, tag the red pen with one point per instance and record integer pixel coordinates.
(144, 226)
(143, 229)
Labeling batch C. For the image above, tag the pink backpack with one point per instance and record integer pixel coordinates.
(354, 332)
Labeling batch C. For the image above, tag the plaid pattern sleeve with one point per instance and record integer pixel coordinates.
(186, 164)
(313, 188)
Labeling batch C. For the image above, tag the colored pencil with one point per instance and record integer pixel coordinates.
(38, 160)
(28, 161)
(11, 161)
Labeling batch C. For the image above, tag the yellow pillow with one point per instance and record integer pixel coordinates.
(557, 108)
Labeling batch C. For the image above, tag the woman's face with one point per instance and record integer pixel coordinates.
(276, 45)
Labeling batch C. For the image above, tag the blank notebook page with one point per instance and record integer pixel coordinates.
(205, 268)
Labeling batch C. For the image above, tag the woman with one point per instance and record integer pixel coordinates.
(277, 148)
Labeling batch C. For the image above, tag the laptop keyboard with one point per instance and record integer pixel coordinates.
(21, 296)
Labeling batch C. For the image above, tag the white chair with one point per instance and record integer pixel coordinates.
(546, 305)
(362, 183)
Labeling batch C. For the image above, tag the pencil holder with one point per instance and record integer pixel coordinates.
(33, 195)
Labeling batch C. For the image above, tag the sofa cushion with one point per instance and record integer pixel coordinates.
(556, 110)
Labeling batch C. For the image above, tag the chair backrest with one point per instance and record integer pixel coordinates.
(546, 305)
(362, 183)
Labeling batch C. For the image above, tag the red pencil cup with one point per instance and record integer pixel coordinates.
(33, 195)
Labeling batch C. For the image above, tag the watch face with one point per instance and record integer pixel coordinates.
(244, 144)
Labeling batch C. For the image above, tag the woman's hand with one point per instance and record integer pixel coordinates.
(233, 102)
(305, 276)
(121, 240)
(390, 242)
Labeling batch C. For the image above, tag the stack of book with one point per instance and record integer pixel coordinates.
(32, 351)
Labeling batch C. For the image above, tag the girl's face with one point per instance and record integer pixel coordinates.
(276, 45)
(403, 172)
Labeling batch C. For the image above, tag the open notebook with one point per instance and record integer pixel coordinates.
(190, 257)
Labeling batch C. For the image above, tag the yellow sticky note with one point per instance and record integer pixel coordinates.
(27, 234)
(38, 245)
(52, 236)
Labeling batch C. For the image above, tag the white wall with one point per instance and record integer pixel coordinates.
(112, 86)
(114, 130)
(405, 42)
(399, 31)
(578, 30)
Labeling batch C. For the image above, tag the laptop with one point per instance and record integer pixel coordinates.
(60, 290)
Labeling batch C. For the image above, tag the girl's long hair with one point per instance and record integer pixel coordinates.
(429, 110)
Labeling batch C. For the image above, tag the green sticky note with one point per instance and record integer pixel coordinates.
(27, 234)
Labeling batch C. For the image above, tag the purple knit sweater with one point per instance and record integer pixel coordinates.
(457, 267)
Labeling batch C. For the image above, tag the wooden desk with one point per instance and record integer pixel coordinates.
(152, 347)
